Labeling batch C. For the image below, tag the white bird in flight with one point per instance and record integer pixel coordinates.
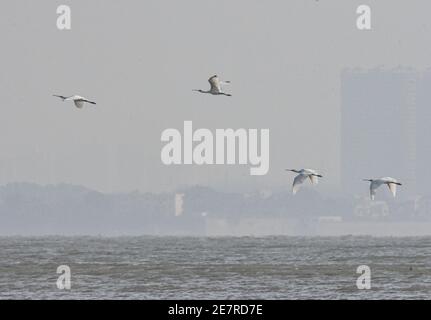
(215, 88)
(77, 100)
(390, 182)
(303, 174)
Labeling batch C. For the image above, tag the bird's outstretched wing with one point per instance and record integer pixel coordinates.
(393, 188)
(299, 179)
(88, 101)
(61, 97)
(215, 84)
(314, 179)
(373, 187)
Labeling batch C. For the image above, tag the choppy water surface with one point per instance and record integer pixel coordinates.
(215, 268)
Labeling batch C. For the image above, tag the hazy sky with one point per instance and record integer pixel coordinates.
(140, 59)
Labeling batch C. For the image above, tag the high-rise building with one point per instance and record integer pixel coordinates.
(378, 127)
(423, 135)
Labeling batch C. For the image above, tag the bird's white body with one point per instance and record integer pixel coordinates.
(77, 100)
(303, 174)
(215, 86)
(376, 183)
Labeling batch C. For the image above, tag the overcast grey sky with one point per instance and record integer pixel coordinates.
(140, 59)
